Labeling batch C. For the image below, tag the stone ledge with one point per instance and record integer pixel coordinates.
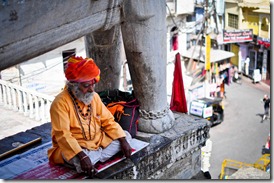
(250, 173)
(174, 154)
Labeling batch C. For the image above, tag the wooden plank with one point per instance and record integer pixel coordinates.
(14, 144)
(21, 146)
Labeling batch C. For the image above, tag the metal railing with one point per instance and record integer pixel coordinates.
(32, 104)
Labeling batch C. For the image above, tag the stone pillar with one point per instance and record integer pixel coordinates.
(106, 48)
(144, 36)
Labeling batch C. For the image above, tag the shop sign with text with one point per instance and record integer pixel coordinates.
(236, 36)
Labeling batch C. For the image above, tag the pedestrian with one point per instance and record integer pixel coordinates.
(218, 87)
(231, 73)
(213, 87)
(83, 129)
(266, 101)
(247, 60)
(222, 87)
(266, 147)
(205, 158)
(236, 77)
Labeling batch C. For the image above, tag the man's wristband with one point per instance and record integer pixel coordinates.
(83, 158)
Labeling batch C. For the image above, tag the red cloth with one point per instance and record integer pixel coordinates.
(178, 98)
(82, 70)
(175, 43)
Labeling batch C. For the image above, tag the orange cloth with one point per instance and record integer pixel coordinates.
(118, 108)
(67, 137)
(82, 70)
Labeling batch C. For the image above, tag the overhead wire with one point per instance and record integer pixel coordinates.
(197, 39)
(201, 21)
(31, 74)
(174, 22)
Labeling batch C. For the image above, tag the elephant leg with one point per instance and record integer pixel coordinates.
(144, 36)
(106, 48)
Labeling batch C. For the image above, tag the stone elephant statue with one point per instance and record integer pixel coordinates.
(134, 29)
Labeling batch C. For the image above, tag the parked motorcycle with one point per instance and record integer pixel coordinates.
(237, 78)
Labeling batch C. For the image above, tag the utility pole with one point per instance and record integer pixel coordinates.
(207, 50)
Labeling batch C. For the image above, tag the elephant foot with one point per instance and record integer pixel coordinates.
(157, 125)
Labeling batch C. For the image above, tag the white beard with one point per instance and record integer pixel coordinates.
(85, 98)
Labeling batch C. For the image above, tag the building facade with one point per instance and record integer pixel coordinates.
(250, 17)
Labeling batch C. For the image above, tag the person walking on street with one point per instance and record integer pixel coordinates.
(266, 101)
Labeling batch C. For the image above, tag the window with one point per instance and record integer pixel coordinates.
(66, 54)
(233, 21)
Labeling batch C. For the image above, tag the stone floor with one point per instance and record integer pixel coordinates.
(12, 122)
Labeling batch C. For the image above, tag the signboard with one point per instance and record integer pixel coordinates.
(237, 36)
(196, 108)
(199, 109)
(208, 112)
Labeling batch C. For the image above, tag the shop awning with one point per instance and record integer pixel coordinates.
(263, 9)
(216, 55)
(254, 3)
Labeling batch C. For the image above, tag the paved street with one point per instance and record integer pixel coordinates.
(241, 136)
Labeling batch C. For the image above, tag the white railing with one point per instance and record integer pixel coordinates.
(31, 103)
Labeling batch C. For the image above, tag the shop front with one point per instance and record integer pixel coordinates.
(258, 52)
(220, 74)
(263, 57)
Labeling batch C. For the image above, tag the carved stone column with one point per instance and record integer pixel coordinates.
(144, 36)
(106, 48)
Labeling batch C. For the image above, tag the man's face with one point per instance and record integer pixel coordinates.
(88, 86)
(84, 91)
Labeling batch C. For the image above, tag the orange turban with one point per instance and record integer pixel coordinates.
(82, 70)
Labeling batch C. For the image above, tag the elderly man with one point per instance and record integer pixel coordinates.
(83, 130)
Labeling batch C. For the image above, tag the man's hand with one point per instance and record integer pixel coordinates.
(125, 147)
(86, 164)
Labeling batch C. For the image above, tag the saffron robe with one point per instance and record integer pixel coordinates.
(67, 136)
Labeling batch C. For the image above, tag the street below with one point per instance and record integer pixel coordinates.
(242, 134)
